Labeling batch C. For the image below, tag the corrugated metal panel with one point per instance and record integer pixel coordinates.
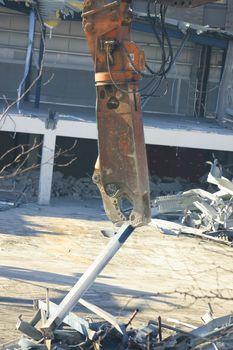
(68, 86)
(11, 75)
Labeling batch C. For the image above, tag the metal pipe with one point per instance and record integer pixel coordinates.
(39, 81)
(132, 318)
(160, 329)
(28, 62)
(87, 279)
(202, 81)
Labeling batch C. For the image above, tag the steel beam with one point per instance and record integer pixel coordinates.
(87, 279)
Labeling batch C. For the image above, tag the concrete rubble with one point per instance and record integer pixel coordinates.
(78, 188)
(63, 186)
(198, 212)
(168, 185)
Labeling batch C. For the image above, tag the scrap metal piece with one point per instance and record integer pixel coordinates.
(120, 327)
(194, 219)
(176, 329)
(216, 324)
(75, 322)
(216, 168)
(208, 316)
(209, 216)
(108, 233)
(223, 183)
(160, 328)
(170, 227)
(26, 344)
(207, 210)
(68, 336)
(121, 171)
(132, 318)
(174, 228)
(203, 337)
(173, 320)
(180, 202)
(36, 318)
(213, 330)
(144, 337)
(27, 329)
(201, 213)
(229, 224)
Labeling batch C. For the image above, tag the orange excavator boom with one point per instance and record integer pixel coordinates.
(121, 171)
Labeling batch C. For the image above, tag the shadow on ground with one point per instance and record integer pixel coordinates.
(16, 221)
(100, 294)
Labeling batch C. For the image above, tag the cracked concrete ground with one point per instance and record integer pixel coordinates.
(163, 275)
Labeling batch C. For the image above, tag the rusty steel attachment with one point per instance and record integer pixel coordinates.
(185, 3)
(121, 172)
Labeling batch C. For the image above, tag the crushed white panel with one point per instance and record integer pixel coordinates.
(202, 214)
(207, 210)
(223, 183)
(180, 202)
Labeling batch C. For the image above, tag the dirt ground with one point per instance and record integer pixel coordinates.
(174, 277)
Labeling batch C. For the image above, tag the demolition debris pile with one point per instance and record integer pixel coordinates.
(168, 185)
(62, 186)
(75, 332)
(71, 187)
(198, 212)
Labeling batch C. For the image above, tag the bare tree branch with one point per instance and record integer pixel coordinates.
(21, 158)
(24, 153)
